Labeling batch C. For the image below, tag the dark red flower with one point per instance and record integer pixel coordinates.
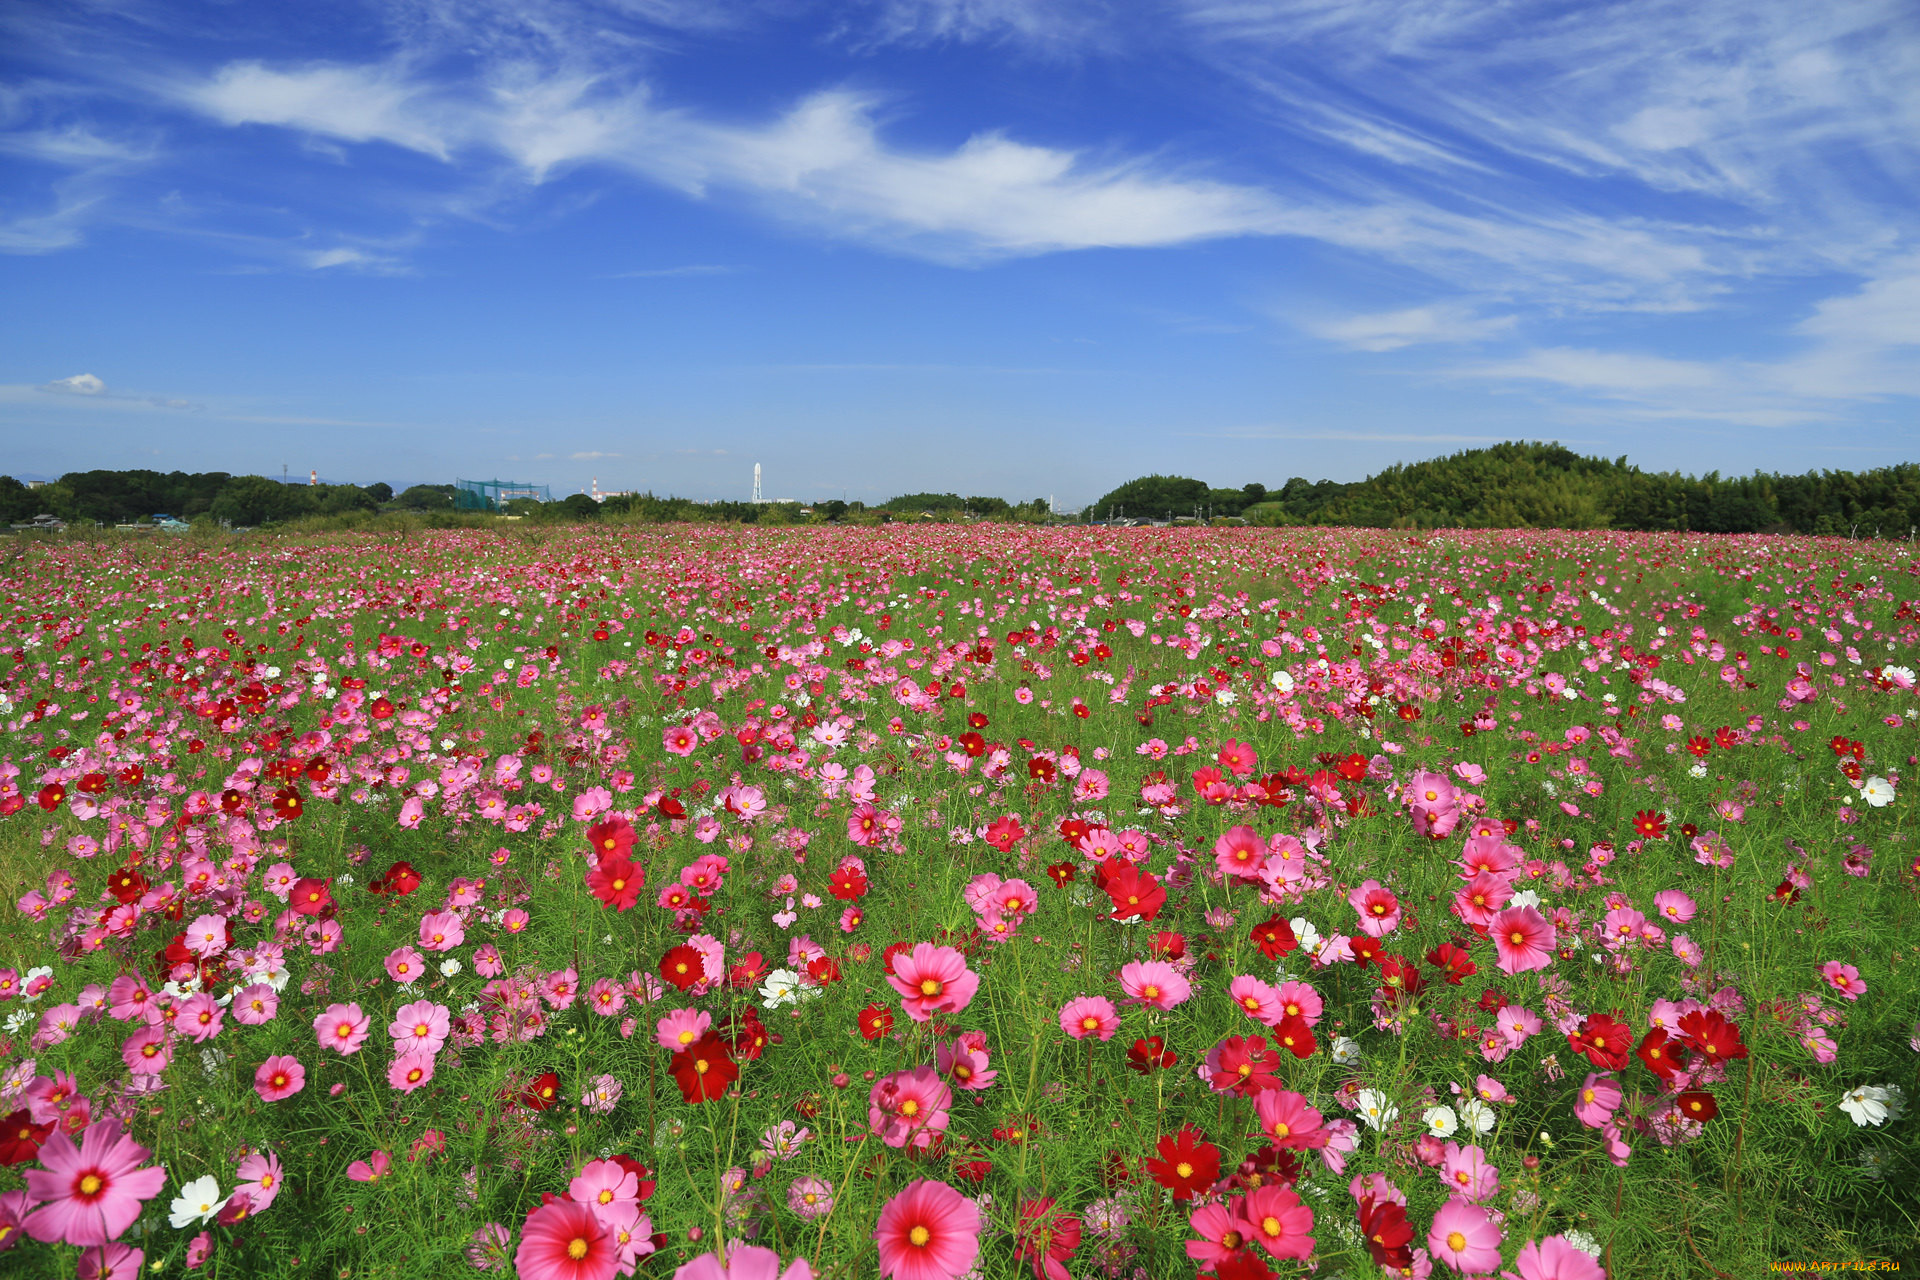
(704, 1069)
(1389, 1236)
(1062, 873)
(875, 1021)
(1454, 964)
(682, 966)
(1188, 1163)
(1659, 1053)
(1295, 1036)
(613, 836)
(310, 897)
(1697, 1104)
(1166, 945)
(1650, 824)
(1604, 1040)
(1134, 893)
(20, 1138)
(617, 881)
(670, 807)
(1150, 1055)
(1274, 937)
(746, 1036)
(847, 883)
(1046, 1239)
(1712, 1035)
(542, 1092)
(1365, 949)
(126, 884)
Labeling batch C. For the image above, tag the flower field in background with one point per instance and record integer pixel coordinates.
(948, 902)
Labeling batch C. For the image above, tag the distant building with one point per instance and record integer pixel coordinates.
(601, 495)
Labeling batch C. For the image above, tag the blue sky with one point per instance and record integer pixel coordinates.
(993, 246)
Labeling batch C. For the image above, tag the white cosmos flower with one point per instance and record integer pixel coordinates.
(1440, 1121)
(1477, 1116)
(1345, 1051)
(1867, 1105)
(1281, 681)
(1524, 898)
(1877, 792)
(1376, 1112)
(199, 1201)
(783, 987)
(1226, 697)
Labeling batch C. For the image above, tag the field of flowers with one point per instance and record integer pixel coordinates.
(958, 902)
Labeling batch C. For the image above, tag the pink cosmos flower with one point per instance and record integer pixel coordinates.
(1467, 1174)
(91, 1193)
(372, 1169)
(342, 1028)
(279, 1077)
(404, 965)
(441, 931)
(255, 1005)
(1299, 1000)
(420, 1027)
(1155, 983)
(207, 935)
(744, 1262)
(680, 1028)
(1843, 978)
(1597, 1100)
(1379, 909)
(1256, 999)
(1554, 1259)
(565, 1241)
(1673, 906)
(1286, 1118)
(1465, 1237)
(1222, 1234)
(148, 1050)
(201, 1017)
(927, 1232)
(410, 1070)
(111, 1262)
(129, 998)
(1240, 853)
(605, 997)
(1275, 1218)
(932, 980)
(1089, 1016)
(965, 1062)
(1523, 938)
(260, 1177)
(602, 1183)
(909, 1107)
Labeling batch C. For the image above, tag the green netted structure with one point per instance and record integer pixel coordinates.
(493, 495)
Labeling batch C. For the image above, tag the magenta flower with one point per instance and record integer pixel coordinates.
(1467, 1174)
(1257, 999)
(1275, 1218)
(1554, 1259)
(372, 1169)
(965, 1061)
(1465, 1237)
(342, 1028)
(1523, 938)
(441, 931)
(927, 1232)
(680, 1028)
(1597, 1100)
(420, 1027)
(932, 980)
(565, 1241)
(1086, 1016)
(147, 1051)
(260, 1179)
(1379, 909)
(410, 1070)
(201, 1017)
(93, 1192)
(601, 1183)
(405, 965)
(909, 1107)
(1843, 978)
(744, 1262)
(279, 1077)
(1155, 983)
(255, 1005)
(1286, 1118)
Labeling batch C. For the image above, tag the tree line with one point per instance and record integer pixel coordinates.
(1530, 485)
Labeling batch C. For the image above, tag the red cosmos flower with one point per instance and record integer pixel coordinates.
(824, 970)
(849, 884)
(1365, 950)
(92, 784)
(977, 720)
(1712, 1035)
(1150, 1055)
(1274, 937)
(1063, 873)
(1353, 768)
(1046, 1239)
(1242, 1065)
(1658, 1053)
(542, 1092)
(682, 966)
(1697, 1104)
(1295, 1036)
(1455, 964)
(1603, 1039)
(401, 878)
(746, 1036)
(1726, 738)
(973, 744)
(1840, 744)
(1041, 769)
(704, 1069)
(1649, 824)
(286, 804)
(614, 837)
(617, 881)
(670, 807)
(1005, 833)
(50, 796)
(1074, 830)
(310, 897)
(1388, 1234)
(1166, 945)
(1401, 978)
(20, 1138)
(127, 884)
(381, 709)
(1699, 745)
(875, 1021)
(1188, 1163)
(1135, 893)
(1492, 1000)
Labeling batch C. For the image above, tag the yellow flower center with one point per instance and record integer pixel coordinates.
(1456, 1241)
(90, 1184)
(577, 1248)
(920, 1236)
(1184, 1169)
(929, 986)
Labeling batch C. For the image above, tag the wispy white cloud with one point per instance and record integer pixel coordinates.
(591, 454)
(669, 273)
(1445, 322)
(80, 384)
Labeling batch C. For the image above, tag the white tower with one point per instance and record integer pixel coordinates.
(756, 482)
